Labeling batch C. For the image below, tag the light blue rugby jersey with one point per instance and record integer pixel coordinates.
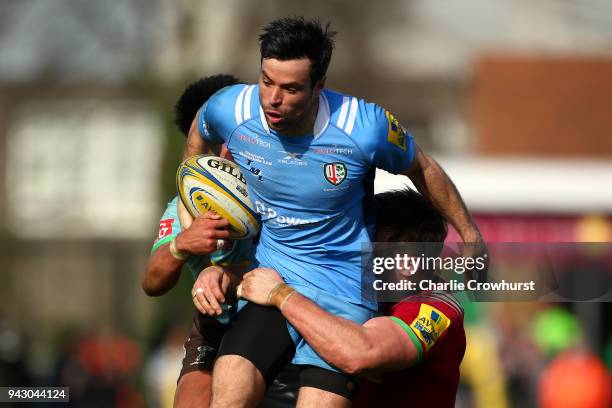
(310, 189)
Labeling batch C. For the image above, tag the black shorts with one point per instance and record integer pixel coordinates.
(260, 334)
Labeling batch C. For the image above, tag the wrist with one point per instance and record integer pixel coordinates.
(179, 244)
(471, 236)
(280, 294)
(177, 253)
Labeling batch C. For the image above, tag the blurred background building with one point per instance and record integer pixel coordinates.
(513, 98)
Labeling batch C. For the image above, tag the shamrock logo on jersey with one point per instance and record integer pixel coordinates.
(335, 173)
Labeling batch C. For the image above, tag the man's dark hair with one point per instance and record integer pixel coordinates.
(194, 97)
(407, 216)
(294, 38)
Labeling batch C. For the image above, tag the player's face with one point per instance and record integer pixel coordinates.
(405, 270)
(287, 96)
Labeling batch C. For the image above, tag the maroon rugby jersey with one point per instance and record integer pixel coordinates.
(434, 322)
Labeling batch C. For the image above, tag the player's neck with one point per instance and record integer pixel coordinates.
(307, 125)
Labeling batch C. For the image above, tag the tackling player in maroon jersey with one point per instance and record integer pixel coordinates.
(413, 352)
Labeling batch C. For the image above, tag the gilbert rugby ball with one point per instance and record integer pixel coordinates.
(210, 183)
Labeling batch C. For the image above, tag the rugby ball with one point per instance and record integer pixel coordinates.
(210, 183)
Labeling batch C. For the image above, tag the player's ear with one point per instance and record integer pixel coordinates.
(318, 86)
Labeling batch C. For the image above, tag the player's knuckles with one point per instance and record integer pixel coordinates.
(208, 233)
(223, 234)
(255, 273)
(210, 298)
(210, 244)
(211, 294)
(246, 287)
(220, 234)
(200, 308)
(198, 304)
(213, 215)
(208, 281)
(202, 300)
(207, 309)
(219, 296)
(257, 289)
(200, 224)
(221, 222)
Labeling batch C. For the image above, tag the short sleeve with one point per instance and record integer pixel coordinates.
(169, 225)
(216, 118)
(425, 323)
(393, 147)
(205, 127)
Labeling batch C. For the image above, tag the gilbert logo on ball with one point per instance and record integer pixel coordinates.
(209, 183)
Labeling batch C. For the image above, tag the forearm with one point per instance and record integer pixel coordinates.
(162, 272)
(339, 341)
(431, 181)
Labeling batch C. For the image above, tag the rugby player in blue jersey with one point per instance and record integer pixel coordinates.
(197, 244)
(309, 156)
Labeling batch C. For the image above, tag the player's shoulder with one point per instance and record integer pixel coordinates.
(354, 115)
(171, 206)
(238, 102)
(373, 130)
(226, 97)
(366, 123)
(170, 215)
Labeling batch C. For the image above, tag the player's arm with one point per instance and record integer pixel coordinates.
(165, 263)
(212, 123)
(216, 285)
(431, 181)
(196, 143)
(392, 148)
(379, 345)
(162, 271)
(200, 140)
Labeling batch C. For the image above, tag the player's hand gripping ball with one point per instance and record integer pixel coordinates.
(210, 183)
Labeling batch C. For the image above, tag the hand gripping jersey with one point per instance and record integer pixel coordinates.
(434, 322)
(170, 227)
(310, 189)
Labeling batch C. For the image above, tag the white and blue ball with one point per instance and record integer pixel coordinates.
(210, 183)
